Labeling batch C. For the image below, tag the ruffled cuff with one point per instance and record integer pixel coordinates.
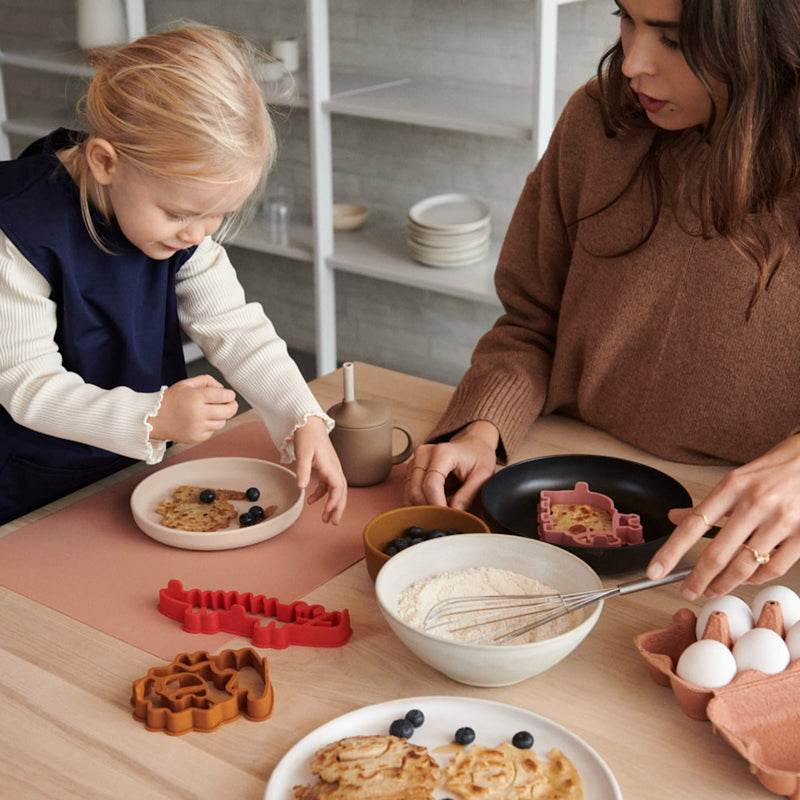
(155, 450)
(286, 447)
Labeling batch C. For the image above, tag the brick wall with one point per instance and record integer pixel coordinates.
(385, 166)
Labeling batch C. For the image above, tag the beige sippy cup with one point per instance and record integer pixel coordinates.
(362, 437)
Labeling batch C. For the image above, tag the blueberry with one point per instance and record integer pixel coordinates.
(415, 717)
(454, 531)
(435, 533)
(252, 494)
(402, 728)
(414, 532)
(399, 544)
(465, 735)
(257, 512)
(246, 519)
(415, 540)
(208, 496)
(523, 740)
(391, 550)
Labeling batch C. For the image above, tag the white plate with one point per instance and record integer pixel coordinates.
(277, 484)
(447, 240)
(448, 258)
(493, 723)
(457, 213)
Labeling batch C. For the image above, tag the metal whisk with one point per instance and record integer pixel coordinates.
(503, 612)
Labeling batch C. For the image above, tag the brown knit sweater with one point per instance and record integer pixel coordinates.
(654, 346)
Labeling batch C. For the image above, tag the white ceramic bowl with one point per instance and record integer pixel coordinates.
(487, 664)
(277, 484)
(348, 217)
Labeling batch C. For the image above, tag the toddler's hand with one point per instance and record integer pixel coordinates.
(313, 449)
(192, 410)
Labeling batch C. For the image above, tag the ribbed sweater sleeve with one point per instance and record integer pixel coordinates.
(507, 380)
(239, 339)
(36, 389)
(643, 331)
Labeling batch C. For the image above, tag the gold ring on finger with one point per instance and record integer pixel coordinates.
(761, 558)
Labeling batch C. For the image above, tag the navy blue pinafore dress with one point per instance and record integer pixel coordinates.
(117, 321)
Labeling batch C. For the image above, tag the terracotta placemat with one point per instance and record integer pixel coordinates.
(91, 561)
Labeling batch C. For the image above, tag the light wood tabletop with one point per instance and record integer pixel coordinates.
(66, 729)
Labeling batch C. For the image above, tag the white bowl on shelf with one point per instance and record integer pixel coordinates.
(348, 217)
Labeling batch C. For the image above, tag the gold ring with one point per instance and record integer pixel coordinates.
(761, 558)
(702, 517)
(437, 470)
(416, 466)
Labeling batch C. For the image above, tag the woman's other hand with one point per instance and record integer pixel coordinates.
(314, 450)
(470, 456)
(757, 507)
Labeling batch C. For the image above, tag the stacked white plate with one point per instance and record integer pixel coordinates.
(449, 230)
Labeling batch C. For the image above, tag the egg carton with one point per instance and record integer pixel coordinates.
(625, 528)
(757, 714)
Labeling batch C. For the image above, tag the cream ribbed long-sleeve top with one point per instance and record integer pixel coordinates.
(235, 335)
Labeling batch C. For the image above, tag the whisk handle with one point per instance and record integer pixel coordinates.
(645, 583)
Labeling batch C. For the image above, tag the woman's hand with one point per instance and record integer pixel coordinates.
(761, 501)
(192, 410)
(313, 449)
(470, 456)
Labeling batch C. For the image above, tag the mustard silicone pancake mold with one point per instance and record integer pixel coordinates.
(201, 692)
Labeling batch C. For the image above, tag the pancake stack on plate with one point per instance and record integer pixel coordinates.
(449, 230)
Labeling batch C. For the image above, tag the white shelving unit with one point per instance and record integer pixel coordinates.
(378, 252)
(382, 254)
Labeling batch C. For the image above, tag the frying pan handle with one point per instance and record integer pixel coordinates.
(645, 583)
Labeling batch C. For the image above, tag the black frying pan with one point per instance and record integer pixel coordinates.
(511, 496)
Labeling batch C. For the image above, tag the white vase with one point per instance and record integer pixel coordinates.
(100, 23)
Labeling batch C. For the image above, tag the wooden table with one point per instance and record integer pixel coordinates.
(66, 729)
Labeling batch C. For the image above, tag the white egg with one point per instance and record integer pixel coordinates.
(740, 618)
(788, 598)
(707, 663)
(761, 649)
(793, 641)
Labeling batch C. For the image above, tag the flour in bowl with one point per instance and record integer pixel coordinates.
(417, 599)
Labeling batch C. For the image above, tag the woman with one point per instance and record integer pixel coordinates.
(650, 281)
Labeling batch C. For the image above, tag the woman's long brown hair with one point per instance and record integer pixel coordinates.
(749, 176)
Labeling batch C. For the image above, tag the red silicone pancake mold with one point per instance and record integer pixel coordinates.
(255, 616)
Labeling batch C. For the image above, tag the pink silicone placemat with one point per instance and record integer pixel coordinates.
(91, 562)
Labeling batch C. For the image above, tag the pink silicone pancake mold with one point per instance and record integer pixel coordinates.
(626, 528)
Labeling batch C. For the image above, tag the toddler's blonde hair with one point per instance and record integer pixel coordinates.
(182, 105)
